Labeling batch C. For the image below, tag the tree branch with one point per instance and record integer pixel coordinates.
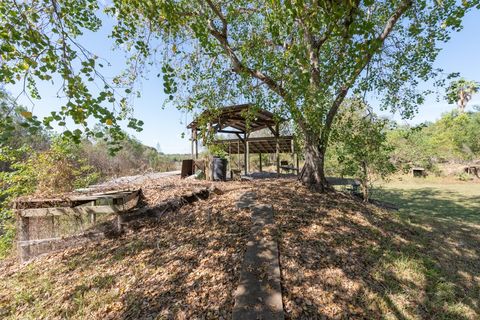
(237, 65)
(378, 42)
(220, 15)
(240, 68)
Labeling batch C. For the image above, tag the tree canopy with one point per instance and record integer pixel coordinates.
(297, 58)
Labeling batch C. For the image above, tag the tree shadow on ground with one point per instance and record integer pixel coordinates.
(193, 268)
(184, 265)
(342, 259)
(436, 203)
(199, 279)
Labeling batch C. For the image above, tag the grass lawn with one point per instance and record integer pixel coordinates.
(444, 248)
(433, 198)
(342, 259)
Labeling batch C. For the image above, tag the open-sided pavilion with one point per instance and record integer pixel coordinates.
(242, 120)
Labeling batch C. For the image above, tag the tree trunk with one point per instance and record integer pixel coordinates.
(314, 175)
(364, 181)
(462, 102)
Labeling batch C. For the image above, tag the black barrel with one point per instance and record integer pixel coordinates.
(219, 169)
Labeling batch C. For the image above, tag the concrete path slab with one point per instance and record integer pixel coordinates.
(247, 199)
(138, 179)
(259, 294)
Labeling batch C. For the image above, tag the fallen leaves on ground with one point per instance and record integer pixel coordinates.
(343, 259)
(184, 265)
(339, 259)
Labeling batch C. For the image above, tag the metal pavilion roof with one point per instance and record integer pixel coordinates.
(237, 117)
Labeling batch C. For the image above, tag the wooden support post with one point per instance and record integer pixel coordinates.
(193, 143)
(260, 161)
(120, 221)
(229, 164)
(196, 147)
(52, 224)
(245, 157)
(293, 153)
(247, 164)
(238, 155)
(277, 148)
(93, 218)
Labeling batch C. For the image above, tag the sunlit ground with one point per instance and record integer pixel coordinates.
(440, 198)
(441, 260)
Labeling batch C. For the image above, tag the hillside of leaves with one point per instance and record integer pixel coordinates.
(340, 259)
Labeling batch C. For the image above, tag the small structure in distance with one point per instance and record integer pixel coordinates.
(419, 172)
(242, 120)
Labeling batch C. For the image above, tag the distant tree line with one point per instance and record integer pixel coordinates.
(367, 147)
(453, 138)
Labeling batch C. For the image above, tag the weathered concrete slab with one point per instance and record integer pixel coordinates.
(138, 179)
(246, 200)
(259, 294)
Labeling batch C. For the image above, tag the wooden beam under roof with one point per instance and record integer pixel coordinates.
(258, 144)
(230, 131)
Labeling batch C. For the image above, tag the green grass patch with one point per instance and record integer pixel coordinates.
(434, 269)
(433, 199)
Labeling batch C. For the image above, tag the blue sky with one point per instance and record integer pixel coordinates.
(165, 126)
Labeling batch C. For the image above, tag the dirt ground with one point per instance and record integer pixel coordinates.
(342, 259)
(339, 259)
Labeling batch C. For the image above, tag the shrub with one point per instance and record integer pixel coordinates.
(58, 169)
(463, 176)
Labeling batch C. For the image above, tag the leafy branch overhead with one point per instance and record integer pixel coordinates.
(300, 59)
(39, 44)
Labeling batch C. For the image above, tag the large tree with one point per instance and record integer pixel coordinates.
(297, 58)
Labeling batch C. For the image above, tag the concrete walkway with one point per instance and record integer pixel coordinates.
(138, 179)
(259, 294)
(246, 200)
(131, 180)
